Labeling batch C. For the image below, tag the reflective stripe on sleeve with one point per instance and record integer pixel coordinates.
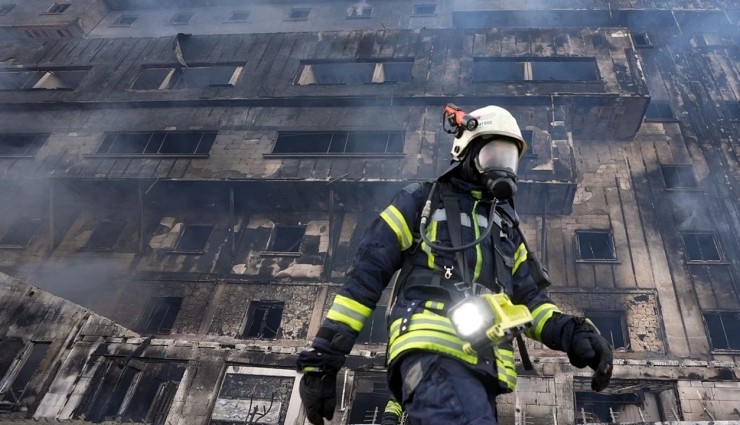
(541, 315)
(348, 312)
(520, 256)
(393, 217)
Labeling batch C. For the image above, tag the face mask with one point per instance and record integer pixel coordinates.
(497, 162)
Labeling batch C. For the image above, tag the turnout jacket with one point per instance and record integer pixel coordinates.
(418, 320)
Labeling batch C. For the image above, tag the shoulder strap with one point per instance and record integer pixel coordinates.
(454, 227)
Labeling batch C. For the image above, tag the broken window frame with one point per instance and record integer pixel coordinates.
(602, 318)
(528, 69)
(42, 78)
(23, 369)
(360, 12)
(679, 177)
(641, 40)
(261, 313)
(239, 16)
(174, 76)
(298, 14)
(29, 146)
(275, 236)
(693, 245)
(154, 307)
(57, 9)
(178, 18)
(660, 393)
(124, 21)
(717, 317)
(369, 389)
(609, 239)
(13, 238)
(194, 248)
(109, 240)
(6, 8)
(659, 111)
(327, 73)
(158, 144)
(336, 144)
(424, 10)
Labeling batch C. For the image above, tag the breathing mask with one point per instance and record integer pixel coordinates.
(497, 162)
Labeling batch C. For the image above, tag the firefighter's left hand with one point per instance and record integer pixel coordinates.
(588, 348)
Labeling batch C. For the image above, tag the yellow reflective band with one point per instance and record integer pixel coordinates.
(431, 341)
(506, 368)
(432, 235)
(520, 256)
(393, 407)
(434, 305)
(478, 250)
(348, 312)
(394, 219)
(422, 322)
(541, 315)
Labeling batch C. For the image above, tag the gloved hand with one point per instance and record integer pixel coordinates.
(318, 387)
(588, 348)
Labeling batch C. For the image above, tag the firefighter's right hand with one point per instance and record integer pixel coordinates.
(318, 388)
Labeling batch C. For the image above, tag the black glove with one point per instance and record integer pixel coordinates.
(588, 348)
(318, 388)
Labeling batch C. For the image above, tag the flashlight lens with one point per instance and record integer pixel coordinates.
(468, 319)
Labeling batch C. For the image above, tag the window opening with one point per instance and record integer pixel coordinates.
(239, 16)
(581, 70)
(626, 401)
(355, 72)
(263, 319)
(9, 349)
(21, 232)
(125, 20)
(58, 8)
(160, 314)
(158, 143)
(641, 39)
(177, 78)
(339, 142)
(286, 238)
(678, 176)
(723, 329)
(105, 235)
(528, 136)
(181, 18)
(425, 9)
(24, 376)
(535, 69)
(371, 396)
(612, 326)
(62, 79)
(21, 144)
(659, 110)
(6, 8)
(194, 238)
(298, 14)
(701, 246)
(733, 110)
(595, 245)
(396, 72)
(360, 12)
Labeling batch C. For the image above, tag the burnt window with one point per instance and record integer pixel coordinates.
(595, 245)
(125, 21)
(535, 69)
(6, 8)
(342, 72)
(157, 143)
(263, 319)
(9, 349)
(58, 8)
(701, 247)
(425, 9)
(131, 390)
(659, 110)
(160, 314)
(612, 326)
(239, 16)
(370, 399)
(723, 329)
(21, 144)
(678, 176)
(42, 79)
(105, 235)
(528, 136)
(286, 238)
(194, 238)
(298, 14)
(641, 39)
(732, 110)
(339, 143)
(626, 401)
(181, 18)
(21, 232)
(31, 361)
(360, 12)
(374, 331)
(193, 77)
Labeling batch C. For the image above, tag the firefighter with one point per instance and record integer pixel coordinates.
(470, 245)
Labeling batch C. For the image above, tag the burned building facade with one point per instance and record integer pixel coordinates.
(186, 182)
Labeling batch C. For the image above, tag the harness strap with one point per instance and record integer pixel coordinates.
(454, 227)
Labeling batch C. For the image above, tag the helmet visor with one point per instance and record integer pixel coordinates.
(498, 155)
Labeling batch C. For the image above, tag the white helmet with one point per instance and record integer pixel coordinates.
(492, 121)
